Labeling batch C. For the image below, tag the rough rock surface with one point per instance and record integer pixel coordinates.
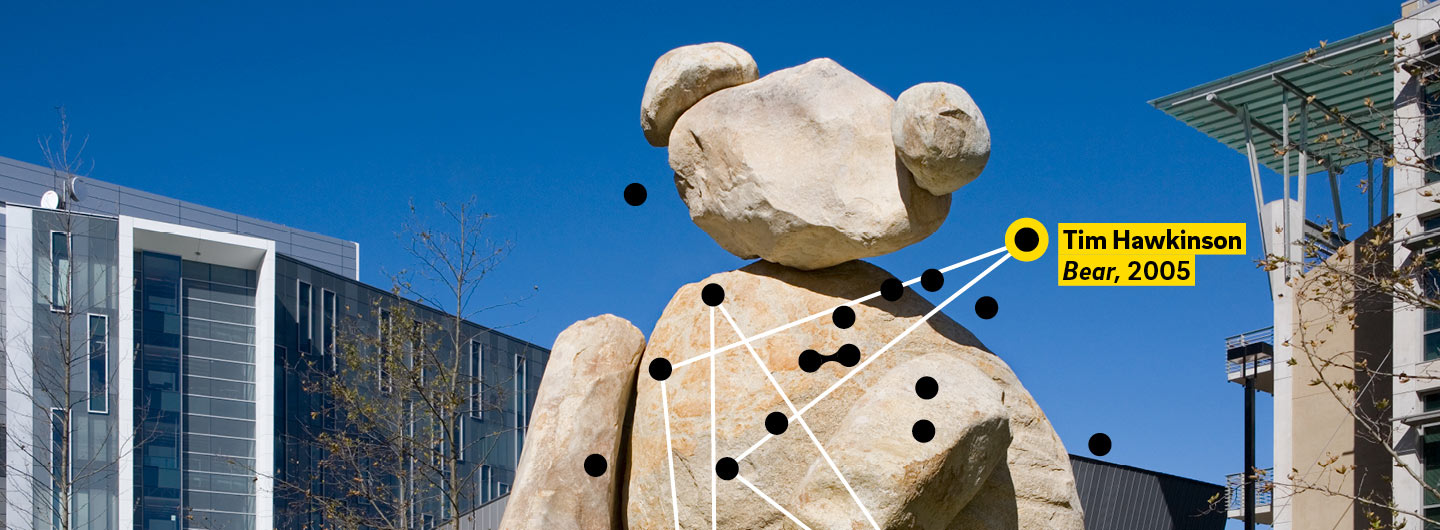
(799, 168)
(684, 76)
(941, 136)
(1032, 487)
(580, 409)
(931, 481)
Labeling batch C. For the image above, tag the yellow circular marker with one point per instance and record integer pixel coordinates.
(1026, 239)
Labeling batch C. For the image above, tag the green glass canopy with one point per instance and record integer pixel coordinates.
(1347, 88)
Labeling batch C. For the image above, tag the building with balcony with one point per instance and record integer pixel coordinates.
(185, 405)
(1356, 399)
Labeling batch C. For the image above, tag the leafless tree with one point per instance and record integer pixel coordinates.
(393, 449)
(66, 435)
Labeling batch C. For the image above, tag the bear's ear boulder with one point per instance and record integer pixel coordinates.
(685, 75)
(940, 136)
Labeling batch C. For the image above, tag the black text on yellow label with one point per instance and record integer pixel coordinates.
(1110, 270)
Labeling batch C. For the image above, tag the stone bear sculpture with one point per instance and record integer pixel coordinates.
(907, 421)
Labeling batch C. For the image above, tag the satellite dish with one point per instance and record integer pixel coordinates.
(50, 200)
(76, 188)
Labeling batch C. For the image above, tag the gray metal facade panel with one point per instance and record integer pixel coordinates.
(136, 211)
(308, 254)
(24, 183)
(149, 201)
(1119, 497)
(487, 517)
(207, 219)
(264, 231)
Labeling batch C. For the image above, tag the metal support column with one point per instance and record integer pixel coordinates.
(1254, 175)
(1370, 190)
(1335, 199)
(1303, 175)
(1285, 204)
(1387, 193)
(1249, 474)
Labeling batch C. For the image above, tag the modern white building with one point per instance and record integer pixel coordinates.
(1360, 111)
(165, 335)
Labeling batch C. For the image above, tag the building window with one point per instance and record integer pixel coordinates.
(327, 324)
(99, 365)
(502, 489)
(521, 386)
(1430, 460)
(59, 271)
(477, 374)
(486, 480)
(382, 375)
(303, 309)
(1430, 281)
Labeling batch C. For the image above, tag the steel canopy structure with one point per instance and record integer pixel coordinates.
(1347, 86)
(1330, 106)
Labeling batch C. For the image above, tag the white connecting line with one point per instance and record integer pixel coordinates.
(713, 475)
(771, 501)
(857, 301)
(796, 414)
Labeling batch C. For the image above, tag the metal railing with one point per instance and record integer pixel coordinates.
(1234, 367)
(1264, 490)
(1243, 340)
(1265, 335)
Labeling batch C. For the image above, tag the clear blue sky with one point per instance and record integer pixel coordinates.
(329, 119)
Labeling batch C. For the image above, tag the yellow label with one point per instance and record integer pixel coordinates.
(1149, 239)
(1123, 270)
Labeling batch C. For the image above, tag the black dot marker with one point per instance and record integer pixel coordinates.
(595, 465)
(923, 431)
(926, 387)
(891, 289)
(843, 316)
(712, 294)
(635, 194)
(1026, 239)
(660, 369)
(776, 423)
(1099, 444)
(727, 468)
(932, 280)
(986, 307)
(811, 360)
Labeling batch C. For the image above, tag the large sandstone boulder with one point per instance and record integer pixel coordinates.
(683, 76)
(864, 424)
(940, 135)
(872, 447)
(799, 168)
(580, 410)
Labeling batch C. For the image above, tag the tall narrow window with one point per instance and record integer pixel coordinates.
(303, 309)
(1430, 286)
(460, 439)
(382, 375)
(99, 364)
(1430, 460)
(59, 271)
(521, 385)
(477, 374)
(486, 480)
(327, 324)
